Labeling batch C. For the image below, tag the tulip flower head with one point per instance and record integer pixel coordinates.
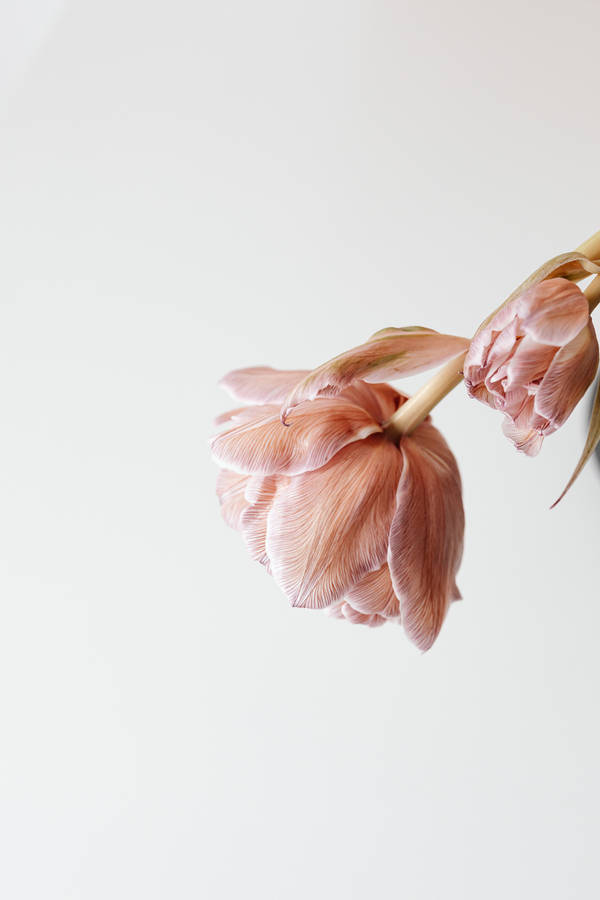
(346, 517)
(534, 360)
(344, 490)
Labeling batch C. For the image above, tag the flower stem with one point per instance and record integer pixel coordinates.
(591, 247)
(417, 408)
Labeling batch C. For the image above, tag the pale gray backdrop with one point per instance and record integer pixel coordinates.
(188, 187)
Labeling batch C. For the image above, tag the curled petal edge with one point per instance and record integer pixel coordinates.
(388, 354)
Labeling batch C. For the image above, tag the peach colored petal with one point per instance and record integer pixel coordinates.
(526, 430)
(513, 401)
(529, 362)
(375, 594)
(328, 528)
(426, 538)
(474, 366)
(260, 493)
(335, 610)
(476, 360)
(380, 400)
(502, 317)
(570, 374)
(358, 618)
(387, 354)
(241, 414)
(527, 440)
(553, 312)
(262, 384)
(231, 493)
(535, 359)
(500, 353)
(478, 391)
(315, 433)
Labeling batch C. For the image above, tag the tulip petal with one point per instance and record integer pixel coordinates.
(231, 493)
(260, 492)
(526, 440)
(553, 312)
(499, 356)
(261, 384)
(426, 538)
(335, 610)
(358, 618)
(328, 528)
(572, 265)
(478, 391)
(387, 354)
(241, 414)
(513, 401)
(529, 363)
(380, 400)
(375, 594)
(527, 429)
(569, 376)
(314, 435)
(490, 348)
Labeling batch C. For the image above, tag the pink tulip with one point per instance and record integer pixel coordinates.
(389, 353)
(534, 361)
(344, 518)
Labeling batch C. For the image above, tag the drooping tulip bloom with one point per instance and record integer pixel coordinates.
(534, 360)
(343, 517)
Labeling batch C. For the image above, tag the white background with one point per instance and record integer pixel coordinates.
(192, 187)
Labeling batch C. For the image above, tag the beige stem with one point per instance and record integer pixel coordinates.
(591, 247)
(418, 407)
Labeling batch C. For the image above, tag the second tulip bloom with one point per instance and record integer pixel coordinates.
(534, 360)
